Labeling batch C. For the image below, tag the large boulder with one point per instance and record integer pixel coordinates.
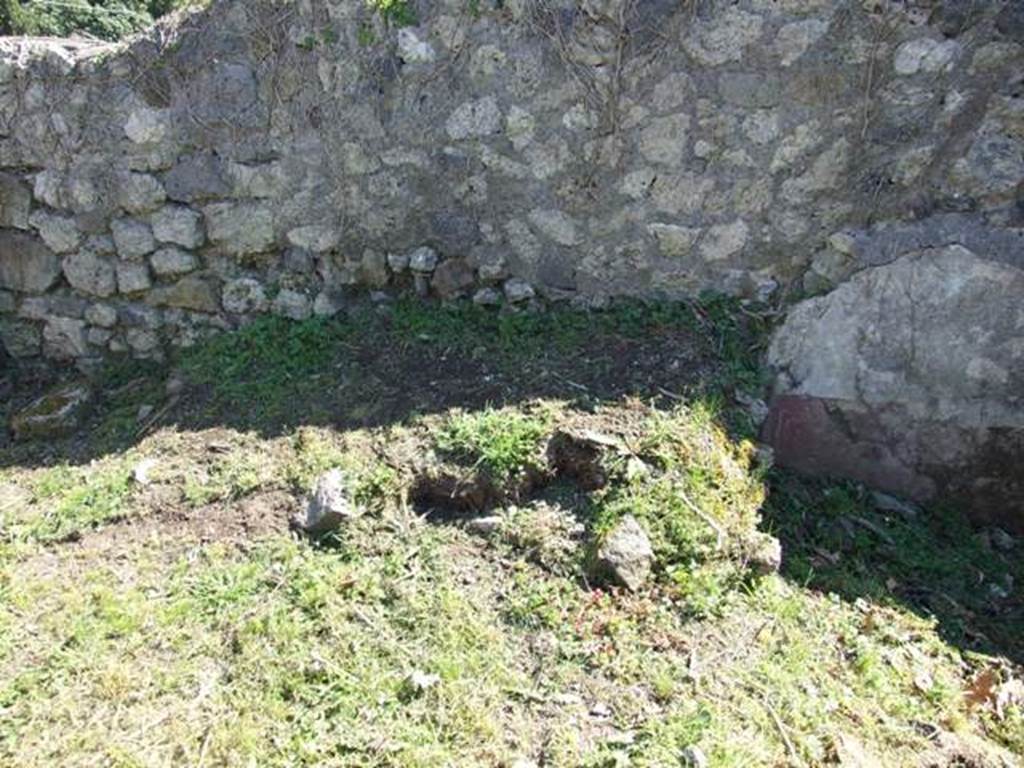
(910, 377)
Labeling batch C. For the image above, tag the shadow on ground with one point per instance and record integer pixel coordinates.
(383, 366)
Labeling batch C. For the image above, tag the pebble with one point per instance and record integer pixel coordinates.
(141, 471)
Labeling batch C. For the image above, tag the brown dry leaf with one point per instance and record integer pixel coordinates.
(982, 690)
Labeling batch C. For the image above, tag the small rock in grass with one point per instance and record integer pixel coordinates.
(765, 554)
(59, 412)
(625, 556)
(331, 504)
(484, 526)
(144, 412)
(419, 682)
(487, 297)
(694, 757)
(140, 472)
(637, 469)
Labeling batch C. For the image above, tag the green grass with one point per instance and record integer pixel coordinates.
(63, 502)
(268, 365)
(698, 496)
(229, 477)
(288, 654)
(234, 667)
(501, 442)
(274, 364)
(840, 543)
(735, 337)
(185, 644)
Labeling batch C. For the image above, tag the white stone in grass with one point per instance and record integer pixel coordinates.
(484, 526)
(331, 504)
(419, 682)
(765, 554)
(141, 471)
(694, 757)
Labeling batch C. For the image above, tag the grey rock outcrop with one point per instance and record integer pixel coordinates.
(910, 377)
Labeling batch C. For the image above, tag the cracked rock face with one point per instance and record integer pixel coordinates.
(910, 377)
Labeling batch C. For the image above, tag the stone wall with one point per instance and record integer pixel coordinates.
(269, 157)
(274, 157)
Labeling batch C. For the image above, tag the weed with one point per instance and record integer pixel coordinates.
(698, 502)
(229, 478)
(365, 35)
(538, 603)
(399, 13)
(375, 486)
(315, 451)
(502, 442)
